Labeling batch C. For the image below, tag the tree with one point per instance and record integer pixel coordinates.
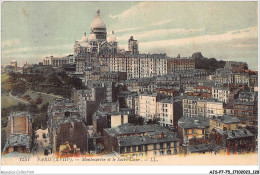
(136, 120)
(44, 107)
(33, 108)
(39, 99)
(53, 80)
(18, 89)
(40, 121)
(208, 64)
(154, 121)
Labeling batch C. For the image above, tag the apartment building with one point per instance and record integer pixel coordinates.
(136, 142)
(189, 105)
(193, 127)
(169, 111)
(147, 105)
(221, 94)
(225, 122)
(18, 133)
(180, 64)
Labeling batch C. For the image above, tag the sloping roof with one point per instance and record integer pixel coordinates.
(226, 119)
(143, 140)
(21, 114)
(203, 87)
(203, 148)
(233, 134)
(18, 140)
(193, 122)
(131, 129)
(241, 102)
(70, 119)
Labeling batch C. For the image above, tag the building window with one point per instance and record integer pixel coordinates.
(154, 153)
(168, 144)
(154, 146)
(161, 145)
(175, 144)
(134, 148)
(168, 152)
(128, 149)
(122, 149)
(175, 151)
(161, 153)
(145, 147)
(140, 148)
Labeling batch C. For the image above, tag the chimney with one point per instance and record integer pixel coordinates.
(162, 135)
(245, 132)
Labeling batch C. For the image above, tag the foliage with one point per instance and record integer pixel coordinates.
(40, 121)
(56, 83)
(154, 121)
(136, 120)
(208, 64)
(33, 108)
(38, 100)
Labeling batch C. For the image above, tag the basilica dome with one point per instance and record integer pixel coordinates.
(92, 37)
(112, 38)
(98, 23)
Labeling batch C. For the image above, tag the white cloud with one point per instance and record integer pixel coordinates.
(158, 33)
(213, 16)
(36, 49)
(10, 43)
(131, 11)
(128, 29)
(228, 36)
(138, 28)
(161, 22)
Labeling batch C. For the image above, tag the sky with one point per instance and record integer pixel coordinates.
(223, 30)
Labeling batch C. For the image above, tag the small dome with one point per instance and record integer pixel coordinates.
(98, 22)
(112, 38)
(92, 37)
(84, 38)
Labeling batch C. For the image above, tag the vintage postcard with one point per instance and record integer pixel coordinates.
(130, 83)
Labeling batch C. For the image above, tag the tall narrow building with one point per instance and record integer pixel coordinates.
(133, 45)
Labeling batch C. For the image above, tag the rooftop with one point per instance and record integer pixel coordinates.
(190, 97)
(243, 102)
(70, 119)
(226, 119)
(165, 90)
(131, 129)
(234, 134)
(203, 148)
(193, 122)
(20, 114)
(148, 94)
(18, 140)
(144, 140)
(221, 88)
(166, 100)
